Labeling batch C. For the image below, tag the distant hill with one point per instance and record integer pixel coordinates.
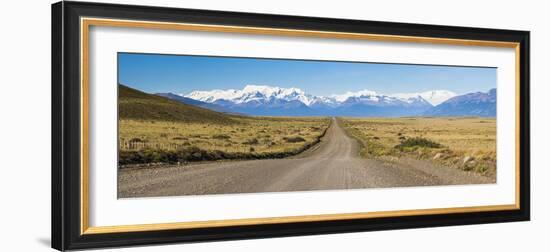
(472, 104)
(134, 104)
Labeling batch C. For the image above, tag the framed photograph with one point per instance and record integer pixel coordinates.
(181, 125)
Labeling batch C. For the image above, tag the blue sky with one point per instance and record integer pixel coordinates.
(182, 74)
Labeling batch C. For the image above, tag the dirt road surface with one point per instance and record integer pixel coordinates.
(332, 164)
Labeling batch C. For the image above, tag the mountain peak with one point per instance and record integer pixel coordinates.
(360, 93)
(260, 88)
(470, 104)
(272, 90)
(434, 97)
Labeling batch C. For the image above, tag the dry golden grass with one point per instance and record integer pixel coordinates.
(251, 134)
(463, 139)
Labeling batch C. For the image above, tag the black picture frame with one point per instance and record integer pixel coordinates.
(66, 155)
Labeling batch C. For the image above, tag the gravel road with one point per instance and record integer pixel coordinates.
(332, 164)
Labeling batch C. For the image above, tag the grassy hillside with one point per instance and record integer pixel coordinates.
(137, 105)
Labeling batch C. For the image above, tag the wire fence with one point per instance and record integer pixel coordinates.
(134, 145)
(137, 146)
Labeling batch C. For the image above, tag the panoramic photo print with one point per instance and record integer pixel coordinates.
(199, 125)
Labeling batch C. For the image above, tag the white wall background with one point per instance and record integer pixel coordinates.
(25, 125)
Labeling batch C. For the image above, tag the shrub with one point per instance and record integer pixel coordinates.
(251, 141)
(417, 142)
(481, 168)
(295, 139)
(221, 136)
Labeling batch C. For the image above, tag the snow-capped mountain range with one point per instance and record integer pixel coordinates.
(269, 100)
(268, 93)
(252, 93)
